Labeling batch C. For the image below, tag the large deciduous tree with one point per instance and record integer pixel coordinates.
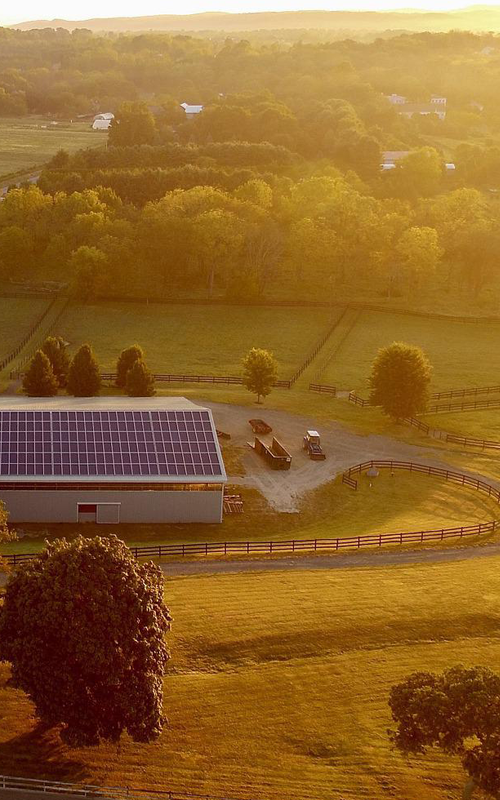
(133, 125)
(399, 380)
(84, 379)
(260, 371)
(457, 712)
(83, 625)
(39, 380)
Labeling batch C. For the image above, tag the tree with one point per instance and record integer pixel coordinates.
(133, 125)
(140, 382)
(40, 380)
(92, 657)
(419, 253)
(457, 712)
(260, 371)
(126, 361)
(399, 380)
(6, 535)
(89, 267)
(84, 379)
(54, 348)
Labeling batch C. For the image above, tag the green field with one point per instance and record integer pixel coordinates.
(195, 339)
(462, 354)
(29, 142)
(476, 424)
(391, 504)
(323, 648)
(17, 315)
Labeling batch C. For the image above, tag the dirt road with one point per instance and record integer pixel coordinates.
(343, 449)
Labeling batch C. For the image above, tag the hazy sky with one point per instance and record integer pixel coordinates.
(84, 9)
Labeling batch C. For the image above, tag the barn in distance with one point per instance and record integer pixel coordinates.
(109, 460)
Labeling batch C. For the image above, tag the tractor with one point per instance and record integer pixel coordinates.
(312, 445)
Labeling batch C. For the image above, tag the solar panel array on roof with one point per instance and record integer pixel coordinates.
(108, 443)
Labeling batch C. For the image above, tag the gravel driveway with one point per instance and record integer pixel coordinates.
(343, 449)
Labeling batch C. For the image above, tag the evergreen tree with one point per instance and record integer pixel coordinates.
(84, 379)
(126, 360)
(40, 380)
(399, 381)
(260, 371)
(54, 348)
(140, 381)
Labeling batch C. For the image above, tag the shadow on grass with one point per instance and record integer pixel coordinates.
(40, 753)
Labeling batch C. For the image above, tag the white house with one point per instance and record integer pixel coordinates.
(395, 99)
(103, 121)
(191, 110)
(105, 115)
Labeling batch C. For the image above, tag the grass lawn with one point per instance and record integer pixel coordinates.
(392, 504)
(24, 143)
(461, 354)
(195, 339)
(17, 315)
(476, 424)
(279, 681)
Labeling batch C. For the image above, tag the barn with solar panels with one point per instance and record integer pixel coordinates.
(109, 460)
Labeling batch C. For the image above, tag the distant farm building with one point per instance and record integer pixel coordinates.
(103, 121)
(191, 110)
(110, 460)
(436, 105)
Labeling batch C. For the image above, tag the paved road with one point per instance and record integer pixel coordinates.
(379, 558)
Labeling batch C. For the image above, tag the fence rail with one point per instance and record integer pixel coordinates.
(468, 441)
(475, 405)
(87, 790)
(475, 390)
(357, 400)
(339, 543)
(24, 341)
(319, 346)
(323, 388)
(162, 377)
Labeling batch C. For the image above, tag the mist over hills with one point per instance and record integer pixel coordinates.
(472, 18)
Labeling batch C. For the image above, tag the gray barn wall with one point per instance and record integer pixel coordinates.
(140, 506)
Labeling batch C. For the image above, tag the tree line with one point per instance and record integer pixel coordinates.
(323, 237)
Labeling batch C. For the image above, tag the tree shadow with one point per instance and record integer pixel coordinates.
(40, 753)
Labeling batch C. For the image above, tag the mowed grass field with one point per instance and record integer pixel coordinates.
(391, 504)
(279, 681)
(195, 339)
(17, 315)
(24, 143)
(477, 424)
(462, 354)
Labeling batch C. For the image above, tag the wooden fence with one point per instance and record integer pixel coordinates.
(323, 388)
(24, 341)
(475, 405)
(28, 785)
(338, 543)
(475, 390)
(467, 441)
(437, 472)
(234, 380)
(319, 346)
(357, 400)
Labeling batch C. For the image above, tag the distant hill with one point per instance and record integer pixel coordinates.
(473, 18)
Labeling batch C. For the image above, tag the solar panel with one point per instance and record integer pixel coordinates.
(108, 443)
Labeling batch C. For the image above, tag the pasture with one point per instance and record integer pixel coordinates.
(28, 142)
(462, 354)
(323, 648)
(17, 315)
(195, 339)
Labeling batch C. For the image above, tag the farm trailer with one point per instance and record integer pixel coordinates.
(275, 454)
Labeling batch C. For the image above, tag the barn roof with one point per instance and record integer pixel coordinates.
(108, 440)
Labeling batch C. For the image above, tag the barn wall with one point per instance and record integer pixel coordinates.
(141, 506)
